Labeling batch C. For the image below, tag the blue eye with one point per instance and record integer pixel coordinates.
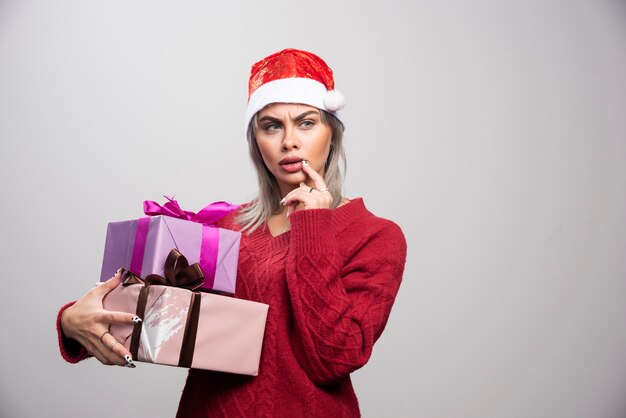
(272, 127)
(307, 123)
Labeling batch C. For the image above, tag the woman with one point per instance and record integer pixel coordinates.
(327, 267)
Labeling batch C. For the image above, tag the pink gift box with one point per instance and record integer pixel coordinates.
(229, 331)
(142, 245)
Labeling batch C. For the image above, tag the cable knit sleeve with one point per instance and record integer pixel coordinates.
(341, 301)
(71, 350)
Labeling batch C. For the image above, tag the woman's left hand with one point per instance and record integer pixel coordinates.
(306, 197)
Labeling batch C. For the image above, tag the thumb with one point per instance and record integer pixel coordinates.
(110, 284)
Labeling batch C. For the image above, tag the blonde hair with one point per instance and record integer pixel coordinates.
(266, 203)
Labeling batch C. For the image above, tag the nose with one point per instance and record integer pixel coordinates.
(290, 139)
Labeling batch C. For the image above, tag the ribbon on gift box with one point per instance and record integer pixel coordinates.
(178, 273)
(208, 217)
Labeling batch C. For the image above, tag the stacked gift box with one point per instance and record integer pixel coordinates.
(180, 276)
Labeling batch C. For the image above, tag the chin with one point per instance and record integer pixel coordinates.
(293, 179)
(296, 180)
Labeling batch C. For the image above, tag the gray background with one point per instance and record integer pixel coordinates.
(493, 132)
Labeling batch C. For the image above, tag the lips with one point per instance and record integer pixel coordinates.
(291, 164)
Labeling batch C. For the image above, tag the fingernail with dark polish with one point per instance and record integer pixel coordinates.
(135, 320)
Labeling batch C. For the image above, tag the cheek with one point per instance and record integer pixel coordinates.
(265, 151)
(318, 154)
(321, 148)
(264, 147)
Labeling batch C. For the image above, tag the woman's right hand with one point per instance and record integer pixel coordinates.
(87, 322)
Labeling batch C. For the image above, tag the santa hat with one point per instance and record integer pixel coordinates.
(292, 76)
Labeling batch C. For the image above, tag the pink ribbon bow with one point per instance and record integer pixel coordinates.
(208, 217)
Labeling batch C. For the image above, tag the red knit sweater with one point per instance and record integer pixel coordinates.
(330, 283)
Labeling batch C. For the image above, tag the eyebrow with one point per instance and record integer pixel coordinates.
(297, 118)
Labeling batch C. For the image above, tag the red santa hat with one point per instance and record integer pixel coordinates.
(292, 76)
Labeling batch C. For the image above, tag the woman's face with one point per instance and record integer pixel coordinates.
(287, 134)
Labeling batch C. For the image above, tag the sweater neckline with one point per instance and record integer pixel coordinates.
(355, 207)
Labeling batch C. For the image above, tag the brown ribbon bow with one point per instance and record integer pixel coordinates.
(178, 273)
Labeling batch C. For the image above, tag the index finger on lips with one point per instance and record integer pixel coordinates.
(315, 176)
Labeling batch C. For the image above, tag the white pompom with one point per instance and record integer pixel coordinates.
(334, 100)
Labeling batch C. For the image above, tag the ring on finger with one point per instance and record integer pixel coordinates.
(113, 345)
(324, 189)
(311, 189)
(102, 336)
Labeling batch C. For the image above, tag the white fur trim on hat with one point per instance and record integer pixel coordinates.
(334, 100)
(293, 90)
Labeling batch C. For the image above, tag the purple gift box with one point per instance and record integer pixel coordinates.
(142, 245)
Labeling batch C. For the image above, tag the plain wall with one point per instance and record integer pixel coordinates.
(493, 132)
